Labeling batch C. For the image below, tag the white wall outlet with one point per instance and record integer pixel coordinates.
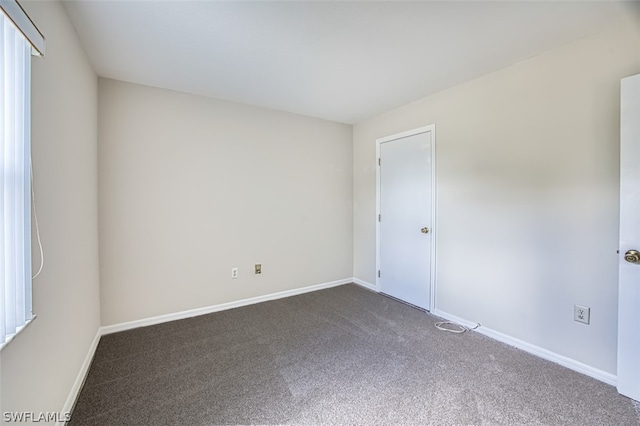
(234, 273)
(581, 313)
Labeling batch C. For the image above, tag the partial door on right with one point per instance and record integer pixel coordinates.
(628, 380)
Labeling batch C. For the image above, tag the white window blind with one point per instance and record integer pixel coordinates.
(15, 185)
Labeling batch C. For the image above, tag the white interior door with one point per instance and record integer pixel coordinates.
(405, 226)
(629, 278)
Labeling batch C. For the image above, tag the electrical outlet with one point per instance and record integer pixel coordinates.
(258, 268)
(581, 313)
(234, 273)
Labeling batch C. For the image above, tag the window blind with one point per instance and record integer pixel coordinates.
(15, 185)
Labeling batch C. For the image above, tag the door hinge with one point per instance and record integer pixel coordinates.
(378, 273)
(379, 161)
(379, 218)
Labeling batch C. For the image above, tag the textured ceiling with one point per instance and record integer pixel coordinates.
(341, 61)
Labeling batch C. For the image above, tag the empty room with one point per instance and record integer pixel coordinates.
(320, 212)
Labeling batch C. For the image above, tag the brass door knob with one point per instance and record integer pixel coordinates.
(632, 256)
(425, 230)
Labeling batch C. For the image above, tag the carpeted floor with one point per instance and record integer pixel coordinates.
(338, 356)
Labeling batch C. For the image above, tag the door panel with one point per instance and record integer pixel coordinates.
(629, 278)
(405, 209)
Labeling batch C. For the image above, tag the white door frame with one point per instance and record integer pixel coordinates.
(432, 129)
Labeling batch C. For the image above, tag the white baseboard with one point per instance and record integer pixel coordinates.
(527, 347)
(84, 370)
(365, 284)
(82, 375)
(216, 308)
(570, 363)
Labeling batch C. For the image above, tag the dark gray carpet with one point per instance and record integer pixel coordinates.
(339, 356)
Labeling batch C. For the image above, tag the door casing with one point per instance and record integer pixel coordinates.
(433, 230)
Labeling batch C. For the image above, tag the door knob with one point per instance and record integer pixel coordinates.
(632, 256)
(425, 230)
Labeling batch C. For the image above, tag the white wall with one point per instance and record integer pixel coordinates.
(40, 365)
(191, 187)
(527, 216)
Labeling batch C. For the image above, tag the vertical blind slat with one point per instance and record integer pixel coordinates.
(26, 189)
(9, 180)
(3, 101)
